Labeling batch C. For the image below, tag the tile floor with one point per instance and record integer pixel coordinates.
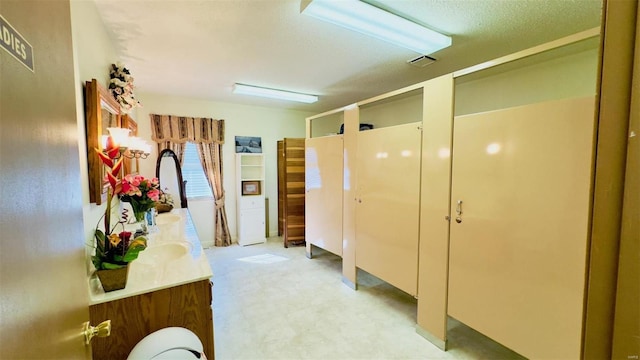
(273, 303)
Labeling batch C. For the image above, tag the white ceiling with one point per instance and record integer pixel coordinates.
(200, 48)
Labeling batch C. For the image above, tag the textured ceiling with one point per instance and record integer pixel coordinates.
(199, 49)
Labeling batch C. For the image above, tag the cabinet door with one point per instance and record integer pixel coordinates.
(252, 228)
(323, 182)
(133, 318)
(252, 202)
(388, 208)
(517, 258)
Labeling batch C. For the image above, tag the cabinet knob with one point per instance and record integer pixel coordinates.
(102, 330)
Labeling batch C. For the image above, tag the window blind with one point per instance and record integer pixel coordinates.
(197, 184)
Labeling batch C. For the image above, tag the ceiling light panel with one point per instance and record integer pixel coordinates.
(370, 20)
(273, 93)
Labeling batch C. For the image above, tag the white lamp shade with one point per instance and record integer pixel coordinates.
(120, 136)
(136, 143)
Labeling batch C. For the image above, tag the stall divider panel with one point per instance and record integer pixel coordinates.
(520, 209)
(323, 183)
(388, 202)
(351, 129)
(433, 264)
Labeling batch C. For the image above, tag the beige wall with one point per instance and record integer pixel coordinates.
(403, 109)
(327, 125)
(93, 55)
(500, 88)
(269, 123)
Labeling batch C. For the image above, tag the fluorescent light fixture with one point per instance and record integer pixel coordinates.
(370, 20)
(273, 93)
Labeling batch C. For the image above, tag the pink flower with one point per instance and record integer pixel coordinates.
(135, 180)
(130, 185)
(154, 194)
(141, 192)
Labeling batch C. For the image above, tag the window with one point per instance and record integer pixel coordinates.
(192, 172)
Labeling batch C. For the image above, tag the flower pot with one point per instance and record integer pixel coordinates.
(113, 279)
(162, 208)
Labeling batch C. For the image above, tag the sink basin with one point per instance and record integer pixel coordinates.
(162, 253)
(165, 219)
(170, 226)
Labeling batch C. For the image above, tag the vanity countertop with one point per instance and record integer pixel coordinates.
(174, 256)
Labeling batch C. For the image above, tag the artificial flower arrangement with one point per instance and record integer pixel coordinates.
(114, 250)
(141, 193)
(165, 201)
(121, 87)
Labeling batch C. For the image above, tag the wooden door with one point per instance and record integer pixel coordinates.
(388, 204)
(43, 271)
(626, 326)
(518, 254)
(294, 191)
(281, 187)
(323, 183)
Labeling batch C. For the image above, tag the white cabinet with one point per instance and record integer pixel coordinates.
(250, 198)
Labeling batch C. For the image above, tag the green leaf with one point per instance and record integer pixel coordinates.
(110, 266)
(97, 261)
(100, 238)
(137, 245)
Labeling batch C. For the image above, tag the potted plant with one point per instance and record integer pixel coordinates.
(114, 251)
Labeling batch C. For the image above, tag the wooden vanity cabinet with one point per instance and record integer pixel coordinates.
(134, 317)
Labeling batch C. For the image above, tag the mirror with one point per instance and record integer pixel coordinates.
(169, 175)
(102, 111)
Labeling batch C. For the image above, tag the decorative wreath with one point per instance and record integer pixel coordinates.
(121, 87)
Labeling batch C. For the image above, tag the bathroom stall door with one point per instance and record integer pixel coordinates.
(521, 185)
(388, 202)
(323, 183)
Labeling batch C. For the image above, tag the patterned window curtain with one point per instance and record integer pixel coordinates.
(208, 134)
(211, 160)
(177, 148)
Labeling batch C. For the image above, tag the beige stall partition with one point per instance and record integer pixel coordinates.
(433, 264)
(520, 220)
(351, 129)
(323, 204)
(388, 201)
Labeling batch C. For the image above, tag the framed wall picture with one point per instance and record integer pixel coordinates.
(248, 144)
(251, 188)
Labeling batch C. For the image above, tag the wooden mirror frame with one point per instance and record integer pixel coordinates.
(182, 184)
(97, 98)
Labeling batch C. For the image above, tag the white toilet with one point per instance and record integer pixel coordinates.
(173, 343)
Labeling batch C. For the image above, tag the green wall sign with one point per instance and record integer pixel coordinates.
(15, 44)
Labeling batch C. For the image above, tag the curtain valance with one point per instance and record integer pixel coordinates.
(180, 129)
